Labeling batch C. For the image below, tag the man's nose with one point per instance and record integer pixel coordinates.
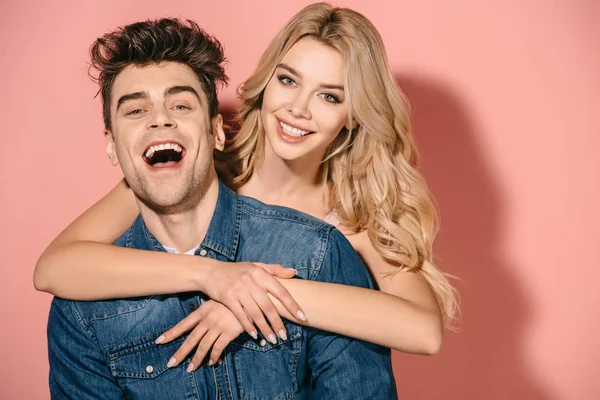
(161, 118)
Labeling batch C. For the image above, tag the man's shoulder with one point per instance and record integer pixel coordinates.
(123, 239)
(281, 235)
(135, 236)
(253, 208)
(315, 248)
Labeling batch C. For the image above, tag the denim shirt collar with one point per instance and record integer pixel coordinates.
(223, 235)
(223, 231)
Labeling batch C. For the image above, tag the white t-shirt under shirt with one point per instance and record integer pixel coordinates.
(174, 251)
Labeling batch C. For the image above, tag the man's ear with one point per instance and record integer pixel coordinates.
(218, 132)
(111, 152)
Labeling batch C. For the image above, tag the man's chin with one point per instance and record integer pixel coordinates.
(165, 207)
(164, 200)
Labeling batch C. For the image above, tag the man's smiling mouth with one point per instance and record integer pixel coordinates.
(163, 155)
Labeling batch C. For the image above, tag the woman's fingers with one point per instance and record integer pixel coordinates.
(243, 318)
(220, 345)
(277, 290)
(186, 324)
(278, 270)
(205, 344)
(270, 312)
(188, 345)
(258, 317)
(215, 327)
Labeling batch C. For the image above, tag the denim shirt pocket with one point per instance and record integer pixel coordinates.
(140, 367)
(268, 371)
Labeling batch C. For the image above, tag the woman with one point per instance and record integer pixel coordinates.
(325, 130)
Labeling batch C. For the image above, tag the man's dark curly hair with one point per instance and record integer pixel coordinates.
(153, 42)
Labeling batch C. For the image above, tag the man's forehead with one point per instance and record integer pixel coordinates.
(155, 78)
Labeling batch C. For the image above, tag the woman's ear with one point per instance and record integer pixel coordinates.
(351, 125)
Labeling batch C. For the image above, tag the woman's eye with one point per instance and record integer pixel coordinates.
(330, 98)
(286, 80)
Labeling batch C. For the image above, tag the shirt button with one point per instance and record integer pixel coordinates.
(203, 252)
(192, 307)
(149, 369)
(262, 343)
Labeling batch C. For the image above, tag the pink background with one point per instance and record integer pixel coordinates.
(504, 95)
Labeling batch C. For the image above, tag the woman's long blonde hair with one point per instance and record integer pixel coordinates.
(370, 169)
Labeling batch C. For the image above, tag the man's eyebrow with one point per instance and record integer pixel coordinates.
(168, 92)
(299, 75)
(131, 96)
(180, 89)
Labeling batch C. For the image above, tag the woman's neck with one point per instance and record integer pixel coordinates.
(293, 184)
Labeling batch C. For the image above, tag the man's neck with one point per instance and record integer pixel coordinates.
(183, 230)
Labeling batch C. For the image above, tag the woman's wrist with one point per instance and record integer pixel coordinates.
(201, 271)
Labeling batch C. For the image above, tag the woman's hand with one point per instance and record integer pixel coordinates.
(244, 289)
(214, 325)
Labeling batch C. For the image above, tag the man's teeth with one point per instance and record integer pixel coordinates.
(167, 146)
(292, 131)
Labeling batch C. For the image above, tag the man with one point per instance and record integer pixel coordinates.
(158, 80)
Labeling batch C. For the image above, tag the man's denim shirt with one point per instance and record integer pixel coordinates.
(106, 349)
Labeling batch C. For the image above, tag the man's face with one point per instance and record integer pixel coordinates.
(161, 135)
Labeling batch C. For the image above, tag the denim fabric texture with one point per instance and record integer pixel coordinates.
(106, 350)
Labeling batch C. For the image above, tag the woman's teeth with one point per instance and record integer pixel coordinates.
(293, 131)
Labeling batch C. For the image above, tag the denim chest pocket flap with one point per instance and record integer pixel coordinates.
(141, 358)
(140, 368)
(294, 332)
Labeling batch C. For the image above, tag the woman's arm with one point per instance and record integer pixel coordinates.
(370, 315)
(80, 264)
(403, 315)
(360, 313)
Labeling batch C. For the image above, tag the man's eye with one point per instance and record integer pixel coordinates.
(181, 107)
(137, 111)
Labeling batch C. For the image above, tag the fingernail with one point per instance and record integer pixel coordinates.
(171, 362)
(254, 335)
(190, 367)
(210, 363)
(301, 315)
(292, 269)
(282, 334)
(160, 339)
(272, 338)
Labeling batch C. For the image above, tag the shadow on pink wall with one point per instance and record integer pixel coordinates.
(485, 359)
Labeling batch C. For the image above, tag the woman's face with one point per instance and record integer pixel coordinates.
(303, 107)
